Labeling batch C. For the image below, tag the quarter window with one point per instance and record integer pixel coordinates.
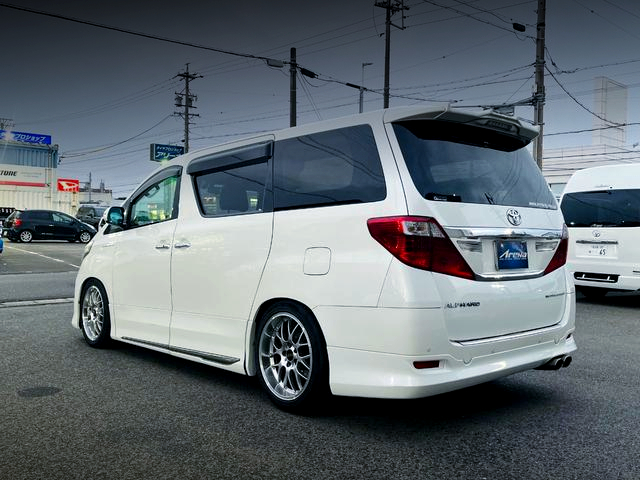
(328, 168)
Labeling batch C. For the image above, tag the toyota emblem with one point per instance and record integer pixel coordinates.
(596, 233)
(514, 217)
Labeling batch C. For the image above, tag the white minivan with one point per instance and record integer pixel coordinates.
(394, 254)
(601, 206)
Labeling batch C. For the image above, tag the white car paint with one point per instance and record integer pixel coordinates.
(200, 298)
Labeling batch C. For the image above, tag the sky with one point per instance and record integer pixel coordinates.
(105, 95)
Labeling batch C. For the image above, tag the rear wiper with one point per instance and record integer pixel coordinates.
(443, 197)
(489, 198)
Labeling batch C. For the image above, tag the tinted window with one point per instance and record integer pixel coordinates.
(233, 190)
(461, 163)
(608, 208)
(62, 218)
(328, 168)
(42, 216)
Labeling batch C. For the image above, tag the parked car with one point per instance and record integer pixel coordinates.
(1, 242)
(90, 214)
(27, 225)
(395, 254)
(601, 206)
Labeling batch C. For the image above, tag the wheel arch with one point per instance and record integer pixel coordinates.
(250, 357)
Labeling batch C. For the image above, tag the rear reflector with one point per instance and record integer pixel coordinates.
(420, 242)
(426, 364)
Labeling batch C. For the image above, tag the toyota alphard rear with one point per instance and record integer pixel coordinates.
(395, 254)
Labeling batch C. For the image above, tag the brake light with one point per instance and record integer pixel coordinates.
(17, 222)
(420, 242)
(560, 257)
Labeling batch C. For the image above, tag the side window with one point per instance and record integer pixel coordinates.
(233, 189)
(59, 218)
(156, 203)
(328, 168)
(40, 216)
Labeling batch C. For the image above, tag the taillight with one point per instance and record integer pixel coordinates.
(17, 222)
(420, 242)
(560, 257)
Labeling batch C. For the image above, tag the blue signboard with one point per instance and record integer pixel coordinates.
(160, 153)
(24, 137)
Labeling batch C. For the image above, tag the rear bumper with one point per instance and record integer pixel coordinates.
(610, 275)
(366, 369)
(623, 282)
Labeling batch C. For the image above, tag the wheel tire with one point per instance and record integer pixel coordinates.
(84, 237)
(95, 321)
(26, 236)
(291, 358)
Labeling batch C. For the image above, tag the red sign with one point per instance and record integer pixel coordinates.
(68, 185)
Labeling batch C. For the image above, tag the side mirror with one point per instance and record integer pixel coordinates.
(114, 216)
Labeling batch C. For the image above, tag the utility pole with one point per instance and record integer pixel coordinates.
(539, 96)
(293, 70)
(188, 99)
(364, 64)
(391, 6)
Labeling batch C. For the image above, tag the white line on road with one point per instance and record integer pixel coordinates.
(31, 303)
(42, 255)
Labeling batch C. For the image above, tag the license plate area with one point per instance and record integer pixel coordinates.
(511, 254)
(597, 250)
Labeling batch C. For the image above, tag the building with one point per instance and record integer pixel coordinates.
(29, 175)
(608, 142)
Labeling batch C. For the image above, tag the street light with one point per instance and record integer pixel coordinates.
(364, 64)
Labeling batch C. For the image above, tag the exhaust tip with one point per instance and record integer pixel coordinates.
(566, 361)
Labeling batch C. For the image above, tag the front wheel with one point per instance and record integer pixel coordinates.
(291, 358)
(26, 236)
(85, 237)
(94, 315)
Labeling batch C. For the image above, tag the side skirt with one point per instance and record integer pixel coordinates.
(209, 357)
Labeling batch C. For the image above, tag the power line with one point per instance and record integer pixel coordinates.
(582, 105)
(79, 154)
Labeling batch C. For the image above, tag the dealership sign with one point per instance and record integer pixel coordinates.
(21, 176)
(160, 153)
(68, 185)
(23, 137)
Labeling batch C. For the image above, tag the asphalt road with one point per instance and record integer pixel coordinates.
(70, 411)
(38, 270)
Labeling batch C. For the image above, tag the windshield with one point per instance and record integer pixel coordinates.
(452, 162)
(604, 208)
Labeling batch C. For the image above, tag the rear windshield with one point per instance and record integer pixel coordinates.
(453, 162)
(602, 208)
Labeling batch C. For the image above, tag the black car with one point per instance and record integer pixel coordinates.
(27, 225)
(90, 214)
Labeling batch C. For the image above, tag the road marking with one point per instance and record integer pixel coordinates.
(43, 256)
(31, 303)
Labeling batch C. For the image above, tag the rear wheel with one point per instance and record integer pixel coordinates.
(26, 236)
(291, 358)
(94, 315)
